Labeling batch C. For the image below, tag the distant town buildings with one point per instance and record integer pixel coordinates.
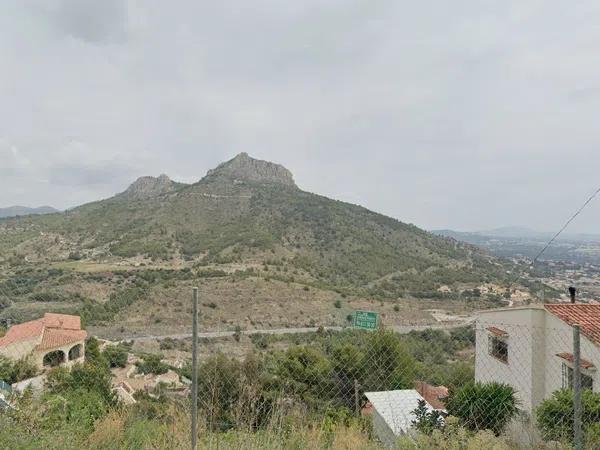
(53, 340)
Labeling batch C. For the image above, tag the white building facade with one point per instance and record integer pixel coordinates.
(531, 349)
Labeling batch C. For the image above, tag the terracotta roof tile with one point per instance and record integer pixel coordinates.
(22, 332)
(584, 363)
(588, 316)
(497, 332)
(54, 330)
(64, 321)
(433, 394)
(57, 338)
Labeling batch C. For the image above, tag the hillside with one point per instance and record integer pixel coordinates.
(245, 220)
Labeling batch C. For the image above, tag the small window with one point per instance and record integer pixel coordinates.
(587, 382)
(498, 348)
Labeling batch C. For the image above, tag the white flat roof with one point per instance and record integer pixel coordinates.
(396, 408)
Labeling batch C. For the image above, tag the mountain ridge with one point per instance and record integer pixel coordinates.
(18, 210)
(251, 214)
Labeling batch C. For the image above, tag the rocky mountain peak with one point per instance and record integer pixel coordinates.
(145, 187)
(245, 168)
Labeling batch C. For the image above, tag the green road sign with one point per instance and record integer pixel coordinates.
(366, 320)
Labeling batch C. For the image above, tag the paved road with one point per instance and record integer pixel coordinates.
(402, 329)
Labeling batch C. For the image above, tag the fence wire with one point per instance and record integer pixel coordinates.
(509, 381)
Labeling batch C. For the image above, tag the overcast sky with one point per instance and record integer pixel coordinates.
(462, 114)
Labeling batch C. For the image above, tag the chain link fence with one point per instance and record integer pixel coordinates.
(528, 385)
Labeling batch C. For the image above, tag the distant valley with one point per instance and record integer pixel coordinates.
(518, 242)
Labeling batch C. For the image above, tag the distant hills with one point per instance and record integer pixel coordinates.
(13, 211)
(520, 233)
(520, 242)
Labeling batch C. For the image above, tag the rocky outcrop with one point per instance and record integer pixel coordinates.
(146, 187)
(244, 168)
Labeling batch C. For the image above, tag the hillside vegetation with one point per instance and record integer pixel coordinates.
(245, 220)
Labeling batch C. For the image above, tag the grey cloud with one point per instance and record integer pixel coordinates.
(103, 21)
(107, 174)
(459, 114)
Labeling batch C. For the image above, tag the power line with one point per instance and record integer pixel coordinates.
(566, 225)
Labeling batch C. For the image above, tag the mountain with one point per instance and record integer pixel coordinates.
(249, 233)
(147, 187)
(13, 211)
(244, 168)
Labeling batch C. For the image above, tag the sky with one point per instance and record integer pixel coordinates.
(468, 115)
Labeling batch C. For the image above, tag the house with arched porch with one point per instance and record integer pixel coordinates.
(53, 340)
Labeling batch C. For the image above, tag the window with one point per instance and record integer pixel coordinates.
(498, 348)
(587, 382)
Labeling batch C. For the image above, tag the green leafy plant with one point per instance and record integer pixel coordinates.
(152, 364)
(555, 415)
(425, 420)
(483, 406)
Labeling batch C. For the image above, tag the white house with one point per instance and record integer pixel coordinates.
(392, 413)
(531, 349)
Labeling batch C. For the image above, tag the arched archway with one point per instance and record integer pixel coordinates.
(75, 352)
(55, 358)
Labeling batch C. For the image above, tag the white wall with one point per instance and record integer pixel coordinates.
(535, 336)
(522, 371)
(559, 338)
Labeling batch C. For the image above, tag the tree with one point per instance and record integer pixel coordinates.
(347, 362)
(425, 420)
(87, 377)
(555, 415)
(305, 371)
(92, 351)
(115, 355)
(152, 364)
(13, 371)
(386, 364)
(483, 406)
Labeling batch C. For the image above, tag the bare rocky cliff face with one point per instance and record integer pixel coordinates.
(145, 187)
(244, 168)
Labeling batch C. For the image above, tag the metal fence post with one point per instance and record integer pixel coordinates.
(356, 399)
(194, 368)
(578, 441)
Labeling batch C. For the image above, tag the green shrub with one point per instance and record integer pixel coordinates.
(304, 371)
(425, 420)
(13, 371)
(337, 304)
(387, 363)
(89, 377)
(483, 406)
(555, 415)
(152, 364)
(115, 355)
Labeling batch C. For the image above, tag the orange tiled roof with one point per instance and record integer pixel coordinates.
(57, 338)
(55, 330)
(432, 394)
(497, 332)
(64, 321)
(588, 316)
(584, 363)
(22, 332)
